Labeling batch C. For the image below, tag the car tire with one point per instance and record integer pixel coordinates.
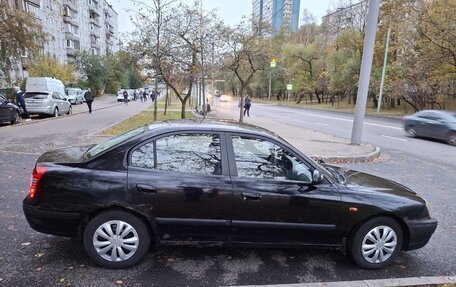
(16, 118)
(56, 112)
(376, 243)
(411, 132)
(70, 110)
(451, 139)
(102, 230)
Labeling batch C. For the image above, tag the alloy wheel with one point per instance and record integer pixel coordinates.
(452, 139)
(411, 132)
(379, 244)
(115, 241)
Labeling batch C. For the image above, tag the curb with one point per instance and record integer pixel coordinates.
(59, 117)
(358, 158)
(412, 281)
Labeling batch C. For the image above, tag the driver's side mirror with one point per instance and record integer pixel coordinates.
(317, 177)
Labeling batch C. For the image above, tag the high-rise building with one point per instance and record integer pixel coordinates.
(277, 13)
(74, 25)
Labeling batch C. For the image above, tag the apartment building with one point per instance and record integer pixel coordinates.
(277, 14)
(75, 25)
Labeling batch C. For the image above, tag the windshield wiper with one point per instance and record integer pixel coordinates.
(340, 178)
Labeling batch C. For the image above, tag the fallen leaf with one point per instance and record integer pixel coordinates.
(170, 260)
(119, 282)
(39, 269)
(291, 257)
(82, 265)
(229, 257)
(62, 280)
(71, 267)
(39, 255)
(26, 243)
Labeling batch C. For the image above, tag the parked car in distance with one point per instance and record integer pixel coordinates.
(434, 124)
(9, 112)
(47, 103)
(74, 95)
(217, 93)
(225, 98)
(207, 183)
(120, 97)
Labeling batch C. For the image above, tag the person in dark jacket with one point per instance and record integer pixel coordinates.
(21, 103)
(125, 95)
(89, 97)
(247, 104)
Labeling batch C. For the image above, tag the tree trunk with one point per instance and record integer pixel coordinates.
(166, 100)
(183, 107)
(241, 105)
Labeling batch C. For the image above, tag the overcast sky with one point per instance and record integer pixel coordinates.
(230, 10)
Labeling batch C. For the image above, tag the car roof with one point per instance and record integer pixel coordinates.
(210, 125)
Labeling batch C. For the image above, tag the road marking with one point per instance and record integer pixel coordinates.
(334, 118)
(323, 124)
(398, 139)
(19, 152)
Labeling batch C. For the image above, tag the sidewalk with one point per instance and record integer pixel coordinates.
(312, 143)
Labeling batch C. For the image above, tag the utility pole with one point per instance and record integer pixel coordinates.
(273, 65)
(366, 67)
(203, 92)
(385, 60)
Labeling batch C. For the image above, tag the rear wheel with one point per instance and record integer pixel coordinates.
(376, 243)
(16, 118)
(70, 110)
(411, 132)
(56, 112)
(451, 139)
(116, 239)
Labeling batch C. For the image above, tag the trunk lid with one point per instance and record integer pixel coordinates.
(65, 155)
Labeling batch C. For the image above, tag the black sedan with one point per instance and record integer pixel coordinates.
(9, 112)
(217, 183)
(434, 124)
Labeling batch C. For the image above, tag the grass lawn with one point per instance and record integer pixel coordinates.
(143, 118)
(344, 106)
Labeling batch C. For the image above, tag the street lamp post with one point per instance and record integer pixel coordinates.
(273, 65)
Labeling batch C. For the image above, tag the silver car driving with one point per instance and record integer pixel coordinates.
(47, 103)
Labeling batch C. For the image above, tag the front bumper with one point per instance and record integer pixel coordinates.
(420, 232)
(52, 222)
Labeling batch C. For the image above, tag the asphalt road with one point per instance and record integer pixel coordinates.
(28, 258)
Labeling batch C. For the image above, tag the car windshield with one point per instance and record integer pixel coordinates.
(72, 92)
(96, 150)
(36, 96)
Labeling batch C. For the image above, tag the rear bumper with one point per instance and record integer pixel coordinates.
(52, 222)
(420, 232)
(40, 110)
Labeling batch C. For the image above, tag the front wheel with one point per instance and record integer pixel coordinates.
(70, 110)
(451, 140)
(116, 239)
(376, 243)
(411, 132)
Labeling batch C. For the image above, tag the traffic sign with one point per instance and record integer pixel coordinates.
(273, 63)
(289, 87)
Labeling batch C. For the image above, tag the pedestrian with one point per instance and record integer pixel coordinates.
(247, 104)
(89, 97)
(135, 95)
(125, 95)
(21, 103)
(153, 96)
(141, 96)
(145, 96)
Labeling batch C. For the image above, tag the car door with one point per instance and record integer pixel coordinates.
(437, 127)
(274, 198)
(184, 179)
(64, 103)
(6, 111)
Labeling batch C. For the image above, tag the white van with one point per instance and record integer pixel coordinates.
(44, 84)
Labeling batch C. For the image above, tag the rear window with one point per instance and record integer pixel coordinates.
(36, 96)
(96, 150)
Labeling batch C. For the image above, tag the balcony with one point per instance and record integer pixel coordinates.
(95, 33)
(71, 4)
(95, 21)
(71, 36)
(71, 51)
(94, 44)
(68, 19)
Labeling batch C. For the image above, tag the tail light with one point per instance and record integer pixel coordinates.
(38, 172)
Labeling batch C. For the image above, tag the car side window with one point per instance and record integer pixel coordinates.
(257, 158)
(55, 96)
(189, 153)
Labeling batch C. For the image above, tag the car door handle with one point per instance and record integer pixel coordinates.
(251, 196)
(145, 188)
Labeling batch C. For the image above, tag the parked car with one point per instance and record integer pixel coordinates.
(120, 97)
(83, 93)
(182, 182)
(74, 95)
(47, 103)
(435, 124)
(9, 112)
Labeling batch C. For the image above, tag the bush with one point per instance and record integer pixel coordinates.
(112, 87)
